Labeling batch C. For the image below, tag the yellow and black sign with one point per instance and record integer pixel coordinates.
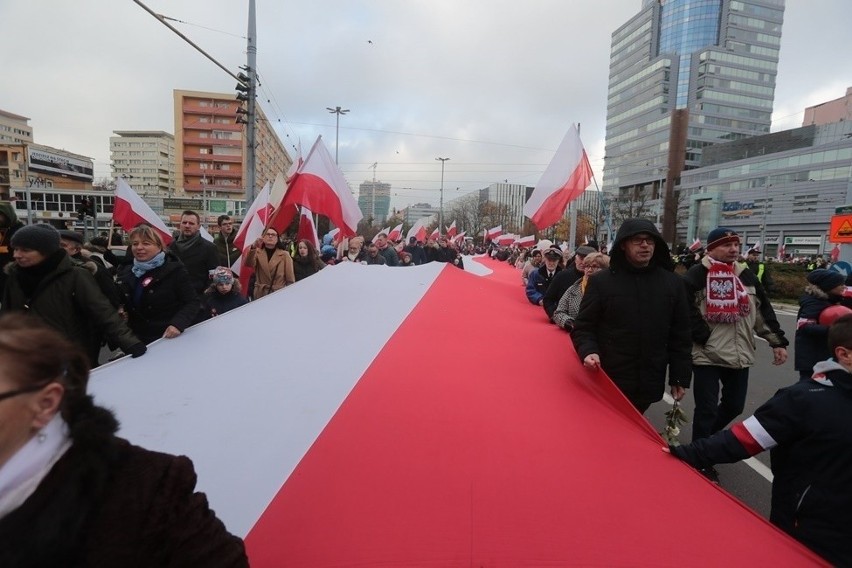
(841, 229)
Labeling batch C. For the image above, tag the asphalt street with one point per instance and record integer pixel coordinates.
(739, 479)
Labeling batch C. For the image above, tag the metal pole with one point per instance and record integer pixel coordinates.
(251, 158)
(441, 207)
(572, 238)
(338, 111)
(763, 225)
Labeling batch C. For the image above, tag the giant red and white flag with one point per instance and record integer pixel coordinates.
(396, 233)
(320, 186)
(307, 229)
(418, 231)
(451, 230)
(564, 180)
(353, 463)
(129, 210)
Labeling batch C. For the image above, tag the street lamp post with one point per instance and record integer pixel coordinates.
(338, 111)
(441, 207)
(204, 198)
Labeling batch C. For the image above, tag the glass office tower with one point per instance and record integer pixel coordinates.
(714, 59)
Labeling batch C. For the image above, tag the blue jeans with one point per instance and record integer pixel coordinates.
(711, 414)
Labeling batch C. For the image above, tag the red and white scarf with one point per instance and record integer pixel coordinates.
(727, 298)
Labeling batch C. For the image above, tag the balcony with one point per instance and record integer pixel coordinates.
(198, 188)
(208, 142)
(213, 174)
(195, 108)
(212, 158)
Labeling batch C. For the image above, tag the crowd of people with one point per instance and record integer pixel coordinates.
(627, 312)
(630, 314)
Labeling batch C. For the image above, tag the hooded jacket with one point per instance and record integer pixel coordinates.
(636, 320)
(811, 336)
(808, 430)
(68, 299)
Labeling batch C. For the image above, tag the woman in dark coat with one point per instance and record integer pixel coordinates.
(157, 294)
(71, 492)
(306, 262)
(824, 289)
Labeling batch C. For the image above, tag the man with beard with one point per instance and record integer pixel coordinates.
(634, 318)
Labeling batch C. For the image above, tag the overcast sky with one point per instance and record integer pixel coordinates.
(491, 84)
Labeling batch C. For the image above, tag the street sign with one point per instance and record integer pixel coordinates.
(841, 229)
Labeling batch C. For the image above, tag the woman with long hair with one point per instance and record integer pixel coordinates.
(273, 266)
(306, 262)
(158, 299)
(74, 494)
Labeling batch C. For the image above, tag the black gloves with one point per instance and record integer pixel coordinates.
(137, 350)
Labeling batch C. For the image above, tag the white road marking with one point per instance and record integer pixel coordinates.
(753, 463)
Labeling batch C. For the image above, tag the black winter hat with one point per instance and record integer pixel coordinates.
(720, 236)
(825, 279)
(71, 236)
(41, 237)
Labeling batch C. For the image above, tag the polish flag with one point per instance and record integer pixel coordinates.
(385, 231)
(527, 241)
(835, 253)
(451, 230)
(695, 246)
(459, 239)
(418, 231)
(130, 210)
(251, 229)
(494, 232)
(320, 186)
(350, 462)
(297, 164)
(782, 250)
(564, 180)
(436, 234)
(335, 235)
(396, 233)
(307, 229)
(505, 240)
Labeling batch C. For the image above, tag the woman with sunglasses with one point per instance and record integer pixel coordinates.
(74, 494)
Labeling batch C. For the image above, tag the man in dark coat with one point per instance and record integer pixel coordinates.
(197, 255)
(808, 429)
(540, 279)
(8, 225)
(72, 243)
(44, 282)
(634, 318)
(825, 289)
(564, 279)
(415, 249)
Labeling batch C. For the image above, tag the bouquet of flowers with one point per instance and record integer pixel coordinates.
(674, 419)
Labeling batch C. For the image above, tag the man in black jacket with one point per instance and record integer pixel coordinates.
(572, 272)
(198, 255)
(808, 428)
(634, 318)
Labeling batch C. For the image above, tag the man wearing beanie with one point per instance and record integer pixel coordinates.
(825, 289)
(634, 319)
(728, 306)
(44, 281)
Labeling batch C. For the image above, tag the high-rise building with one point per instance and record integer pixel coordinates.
(685, 74)
(374, 200)
(210, 146)
(145, 160)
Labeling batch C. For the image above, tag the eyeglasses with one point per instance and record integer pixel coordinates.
(591, 267)
(641, 240)
(25, 390)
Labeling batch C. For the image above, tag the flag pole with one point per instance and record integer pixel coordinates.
(573, 233)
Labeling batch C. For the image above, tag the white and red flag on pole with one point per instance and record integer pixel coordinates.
(493, 232)
(320, 186)
(436, 234)
(696, 245)
(130, 210)
(835, 253)
(527, 241)
(505, 240)
(418, 231)
(307, 229)
(565, 179)
(251, 229)
(459, 239)
(383, 231)
(451, 230)
(298, 161)
(396, 233)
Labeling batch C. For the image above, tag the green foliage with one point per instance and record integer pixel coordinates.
(788, 281)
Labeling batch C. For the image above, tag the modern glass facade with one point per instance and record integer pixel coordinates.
(716, 58)
(780, 188)
(374, 200)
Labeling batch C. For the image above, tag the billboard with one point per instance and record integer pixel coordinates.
(43, 160)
